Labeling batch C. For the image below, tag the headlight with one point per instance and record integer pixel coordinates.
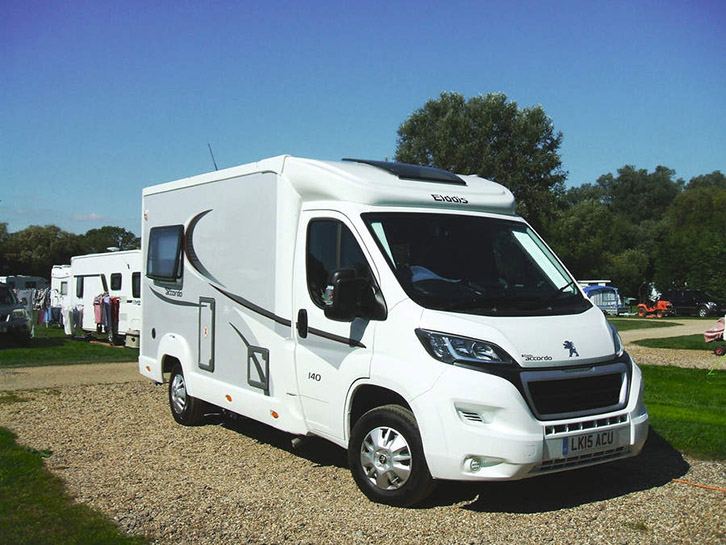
(18, 314)
(452, 349)
(617, 341)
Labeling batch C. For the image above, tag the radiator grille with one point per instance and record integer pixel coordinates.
(571, 393)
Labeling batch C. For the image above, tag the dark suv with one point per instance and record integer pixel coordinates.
(690, 302)
(14, 320)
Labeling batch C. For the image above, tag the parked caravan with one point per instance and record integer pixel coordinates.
(60, 291)
(24, 282)
(403, 313)
(115, 276)
(605, 297)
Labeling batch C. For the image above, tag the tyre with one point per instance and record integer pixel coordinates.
(186, 410)
(702, 312)
(720, 350)
(386, 457)
(659, 314)
(642, 312)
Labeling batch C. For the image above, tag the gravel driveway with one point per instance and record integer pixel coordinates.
(235, 481)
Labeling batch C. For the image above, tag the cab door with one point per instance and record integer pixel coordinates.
(329, 355)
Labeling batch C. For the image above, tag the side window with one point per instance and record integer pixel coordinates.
(331, 246)
(136, 285)
(164, 261)
(115, 281)
(64, 288)
(79, 287)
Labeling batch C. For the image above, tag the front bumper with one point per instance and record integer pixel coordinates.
(15, 328)
(477, 426)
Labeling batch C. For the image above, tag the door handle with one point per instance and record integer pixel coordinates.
(302, 323)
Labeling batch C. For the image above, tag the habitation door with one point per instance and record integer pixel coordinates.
(329, 355)
(206, 333)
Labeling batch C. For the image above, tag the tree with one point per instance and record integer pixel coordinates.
(715, 179)
(491, 137)
(639, 195)
(693, 253)
(34, 250)
(99, 240)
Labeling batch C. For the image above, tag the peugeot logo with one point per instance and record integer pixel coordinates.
(569, 345)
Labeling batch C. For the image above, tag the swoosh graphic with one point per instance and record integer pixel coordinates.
(191, 254)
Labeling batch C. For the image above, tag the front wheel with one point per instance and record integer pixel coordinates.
(702, 312)
(186, 410)
(386, 457)
(720, 350)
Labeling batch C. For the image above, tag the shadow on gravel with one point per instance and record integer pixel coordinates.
(319, 451)
(656, 466)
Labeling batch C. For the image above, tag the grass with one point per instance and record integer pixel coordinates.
(688, 408)
(52, 347)
(626, 324)
(685, 342)
(36, 509)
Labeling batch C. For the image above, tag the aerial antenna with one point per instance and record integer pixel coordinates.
(212, 154)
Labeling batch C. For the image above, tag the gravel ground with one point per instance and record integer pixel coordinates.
(235, 481)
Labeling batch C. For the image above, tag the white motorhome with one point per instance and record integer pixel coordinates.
(116, 275)
(404, 313)
(60, 291)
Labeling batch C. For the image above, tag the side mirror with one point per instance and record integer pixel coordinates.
(352, 296)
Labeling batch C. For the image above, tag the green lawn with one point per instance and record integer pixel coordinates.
(686, 342)
(52, 347)
(688, 408)
(35, 508)
(625, 324)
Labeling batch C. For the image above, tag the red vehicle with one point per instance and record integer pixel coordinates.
(660, 309)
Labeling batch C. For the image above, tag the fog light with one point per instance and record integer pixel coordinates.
(474, 465)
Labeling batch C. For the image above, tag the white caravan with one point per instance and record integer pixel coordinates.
(116, 274)
(404, 313)
(60, 291)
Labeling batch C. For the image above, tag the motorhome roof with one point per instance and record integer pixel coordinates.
(374, 183)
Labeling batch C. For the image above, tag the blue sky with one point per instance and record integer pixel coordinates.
(99, 99)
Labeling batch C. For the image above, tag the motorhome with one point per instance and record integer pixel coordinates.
(116, 275)
(404, 313)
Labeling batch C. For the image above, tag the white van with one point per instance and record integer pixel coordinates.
(401, 312)
(113, 274)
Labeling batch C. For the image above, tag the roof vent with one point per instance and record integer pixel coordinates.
(415, 173)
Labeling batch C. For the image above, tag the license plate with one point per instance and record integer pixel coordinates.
(591, 442)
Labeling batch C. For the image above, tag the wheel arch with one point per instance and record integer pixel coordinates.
(370, 396)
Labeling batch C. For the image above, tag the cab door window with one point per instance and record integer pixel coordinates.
(331, 246)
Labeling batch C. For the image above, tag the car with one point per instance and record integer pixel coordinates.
(14, 319)
(694, 302)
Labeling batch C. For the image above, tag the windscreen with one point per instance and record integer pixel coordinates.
(474, 264)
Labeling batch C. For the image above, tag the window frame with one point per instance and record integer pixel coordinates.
(177, 270)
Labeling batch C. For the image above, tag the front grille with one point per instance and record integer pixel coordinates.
(554, 431)
(568, 393)
(581, 460)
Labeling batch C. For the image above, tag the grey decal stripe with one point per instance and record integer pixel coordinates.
(177, 302)
(254, 308)
(192, 256)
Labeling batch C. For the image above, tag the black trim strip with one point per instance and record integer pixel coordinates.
(336, 338)
(287, 323)
(254, 308)
(174, 301)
